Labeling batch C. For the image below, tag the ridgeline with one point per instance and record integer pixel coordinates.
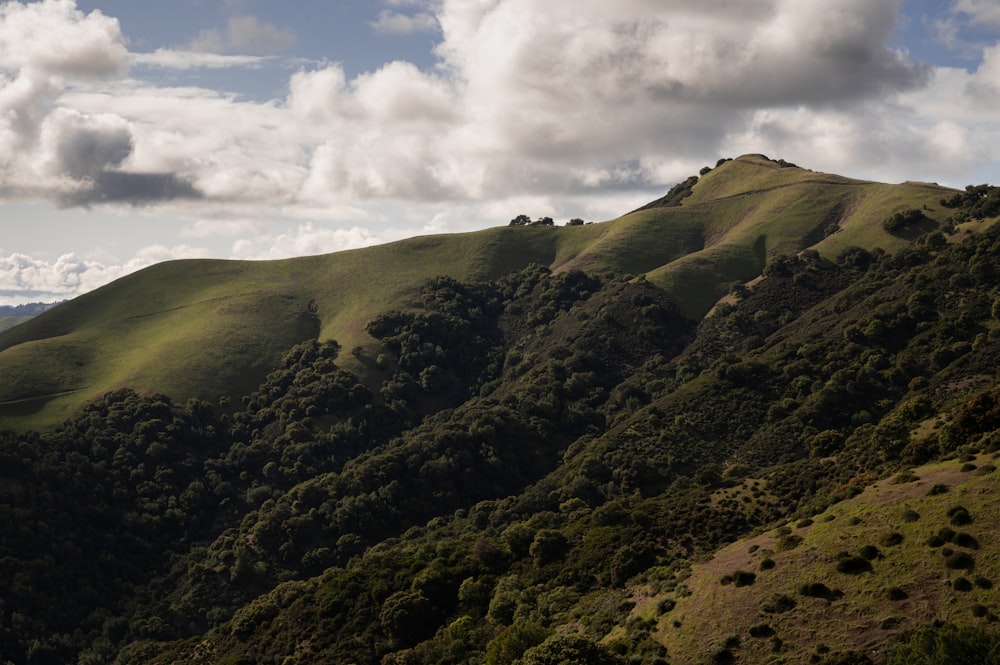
(754, 421)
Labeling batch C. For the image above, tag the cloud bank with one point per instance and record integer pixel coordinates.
(576, 106)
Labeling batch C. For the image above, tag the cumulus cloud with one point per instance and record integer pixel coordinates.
(53, 37)
(985, 12)
(245, 34)
(25, 279)
(307, 239)
(567, 108)
(395, 23)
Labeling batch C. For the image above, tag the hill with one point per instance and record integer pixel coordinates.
(212, 329)
(547, 466)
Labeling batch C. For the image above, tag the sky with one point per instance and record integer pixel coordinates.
(138, 132)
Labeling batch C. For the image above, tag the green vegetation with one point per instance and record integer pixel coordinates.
(511, 449)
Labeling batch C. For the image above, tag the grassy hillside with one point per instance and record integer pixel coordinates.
(544, 467)
(209, 329)
(853, 578)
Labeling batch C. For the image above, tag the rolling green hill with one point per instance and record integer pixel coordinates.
(210, 329)
(529, 463)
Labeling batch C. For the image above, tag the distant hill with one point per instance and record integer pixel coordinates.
(213, 329)
(11, 315)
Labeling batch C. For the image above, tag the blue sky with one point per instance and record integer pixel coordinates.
(132, 133)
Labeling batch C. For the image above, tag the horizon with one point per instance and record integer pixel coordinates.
(233, 129)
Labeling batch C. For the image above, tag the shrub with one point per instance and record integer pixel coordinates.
(853, 565)
(743, 578)
(869, 552)
(959, 516)
(891, 539)
(959, 561)
(723, 657)
(967, 541)
(819, 590)
(937, 489)
(760, 630)
(789, 542)
(948, 645)
(767, 564)
(895, 593)
(666, 605)
(946, 534)
(984, 583)
(980, 610)
(910, 515)
(900, 220)
(778, 603)
(961, 584)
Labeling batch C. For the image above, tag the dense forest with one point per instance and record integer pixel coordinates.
(520, 457)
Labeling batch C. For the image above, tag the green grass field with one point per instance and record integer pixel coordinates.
(909, 583)
(207, 328)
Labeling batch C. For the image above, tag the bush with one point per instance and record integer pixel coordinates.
(789, 542)
(910, 515)
(965, 540)
(853, 565)
(891, 539)
(869, 552)
(900, 220)
(948, 645)
(767, 564)
(817, 590)
(778, 603)
(896, 594)
(961, 584)
(760, 630)
(959, 561)
(959, 516)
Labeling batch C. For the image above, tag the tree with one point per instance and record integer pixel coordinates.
(570, 650)
(520, 220)
(948, 644)
(576, 221)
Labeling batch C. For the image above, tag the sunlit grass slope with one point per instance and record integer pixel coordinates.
(209, 329)
(803, 600)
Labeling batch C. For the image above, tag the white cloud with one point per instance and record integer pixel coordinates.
(307, 239)
(245, 34)
(568, 108)
(394, 23)
(985, 12)
(180, 59)
(53, 37)
(25, 279)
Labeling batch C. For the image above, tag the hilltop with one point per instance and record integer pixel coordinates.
(616, 448)
(213, 329)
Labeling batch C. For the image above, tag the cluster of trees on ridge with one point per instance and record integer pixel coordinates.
(498, 510)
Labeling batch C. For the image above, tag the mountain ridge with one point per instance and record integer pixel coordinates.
(540, 467)
(695, 251)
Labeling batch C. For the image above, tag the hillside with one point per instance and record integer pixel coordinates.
(213, 329)
(546, 466)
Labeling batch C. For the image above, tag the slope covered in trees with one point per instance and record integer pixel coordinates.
(532, 468)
